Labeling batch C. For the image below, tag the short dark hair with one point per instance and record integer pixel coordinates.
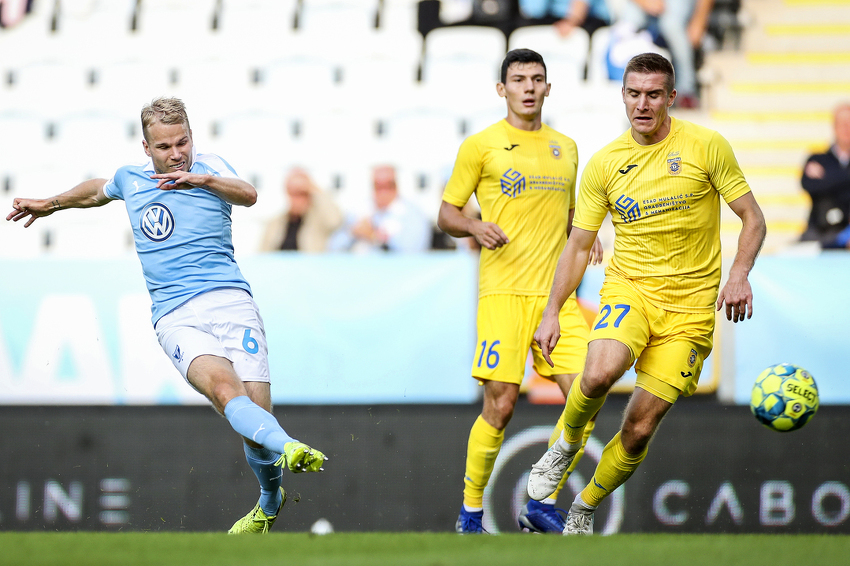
(521, 56)
(647, 63)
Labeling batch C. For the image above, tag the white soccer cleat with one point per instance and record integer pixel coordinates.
(579, 521)
(546, 474)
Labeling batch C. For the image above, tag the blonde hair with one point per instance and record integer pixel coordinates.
(165, 111)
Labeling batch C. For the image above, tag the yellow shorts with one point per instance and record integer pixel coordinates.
(506, 326)
(669, 347)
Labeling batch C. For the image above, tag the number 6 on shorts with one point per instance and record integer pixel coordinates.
(249, 343)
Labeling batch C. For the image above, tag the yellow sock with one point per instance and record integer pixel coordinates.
(485, 442)
(615, 467)
(578, 411)
(588, 430)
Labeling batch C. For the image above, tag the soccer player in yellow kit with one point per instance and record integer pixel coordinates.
(662, 181)
(523, 174)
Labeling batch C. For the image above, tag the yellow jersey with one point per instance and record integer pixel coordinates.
(525, 183)
(665, 206)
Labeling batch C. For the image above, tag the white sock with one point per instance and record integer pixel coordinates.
(566, 448)
(579, 502)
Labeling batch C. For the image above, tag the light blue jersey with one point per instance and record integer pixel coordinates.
(182, 237)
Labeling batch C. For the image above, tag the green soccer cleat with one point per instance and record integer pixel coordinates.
(256, 521)
(299, 457)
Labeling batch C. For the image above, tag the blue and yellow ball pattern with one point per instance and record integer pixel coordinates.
(784, 398)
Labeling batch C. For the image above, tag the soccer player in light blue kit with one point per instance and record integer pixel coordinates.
(205, 318)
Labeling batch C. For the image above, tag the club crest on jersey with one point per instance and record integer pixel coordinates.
(156, 222)
(555, 149)
(692, 358)
(513, 183)
(628, 208)
(674, 165)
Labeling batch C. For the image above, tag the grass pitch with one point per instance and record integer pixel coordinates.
(417, 549)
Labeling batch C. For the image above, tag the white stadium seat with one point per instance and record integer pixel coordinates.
(565, 57)
(254, 31)
(463, 63)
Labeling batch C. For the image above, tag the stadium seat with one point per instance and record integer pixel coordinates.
(86, 234)
(399, 16)
(85, 27)
(432, 135)
(477, 50)
(305, 82)
(423, 144)
(254, 31)
(19, 130)
(590, 129)
(24, 40)
(597, 66)
(387, 57)
(107, 19)
(111, 92)
(488, 114)
(159, 22)
(462, 63)
(565, 57)
(249, 140)
(51, 86)
(341, 18)
(97, 142)
(234, 81)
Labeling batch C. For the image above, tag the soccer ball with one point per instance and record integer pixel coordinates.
(784, 398)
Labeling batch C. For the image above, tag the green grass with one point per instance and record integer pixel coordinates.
(425, 549)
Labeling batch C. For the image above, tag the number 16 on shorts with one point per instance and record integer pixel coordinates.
(489, 355)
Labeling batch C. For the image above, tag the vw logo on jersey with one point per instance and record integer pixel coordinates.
(156, 222)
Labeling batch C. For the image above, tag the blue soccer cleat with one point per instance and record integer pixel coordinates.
(536, 517)
(469, 522)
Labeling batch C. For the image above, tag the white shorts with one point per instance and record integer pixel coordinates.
(224, 323)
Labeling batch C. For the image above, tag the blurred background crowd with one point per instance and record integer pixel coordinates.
(347, 114)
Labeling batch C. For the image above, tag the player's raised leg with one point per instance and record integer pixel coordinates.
(215, 378)
(620, 458)
(607, 360)
(268, 448)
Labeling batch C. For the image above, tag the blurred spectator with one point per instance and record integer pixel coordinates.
(826, 177)
(682, 25)
(309, 221)
(394, 225)
(587, 14)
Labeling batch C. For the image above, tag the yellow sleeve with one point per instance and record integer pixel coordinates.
(592, 205)
(723, 169)
(465, 175)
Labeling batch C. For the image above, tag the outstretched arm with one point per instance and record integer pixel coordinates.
(452, 221)
(737, 293)
(85, 195)
(230, 189)
(571, 267)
